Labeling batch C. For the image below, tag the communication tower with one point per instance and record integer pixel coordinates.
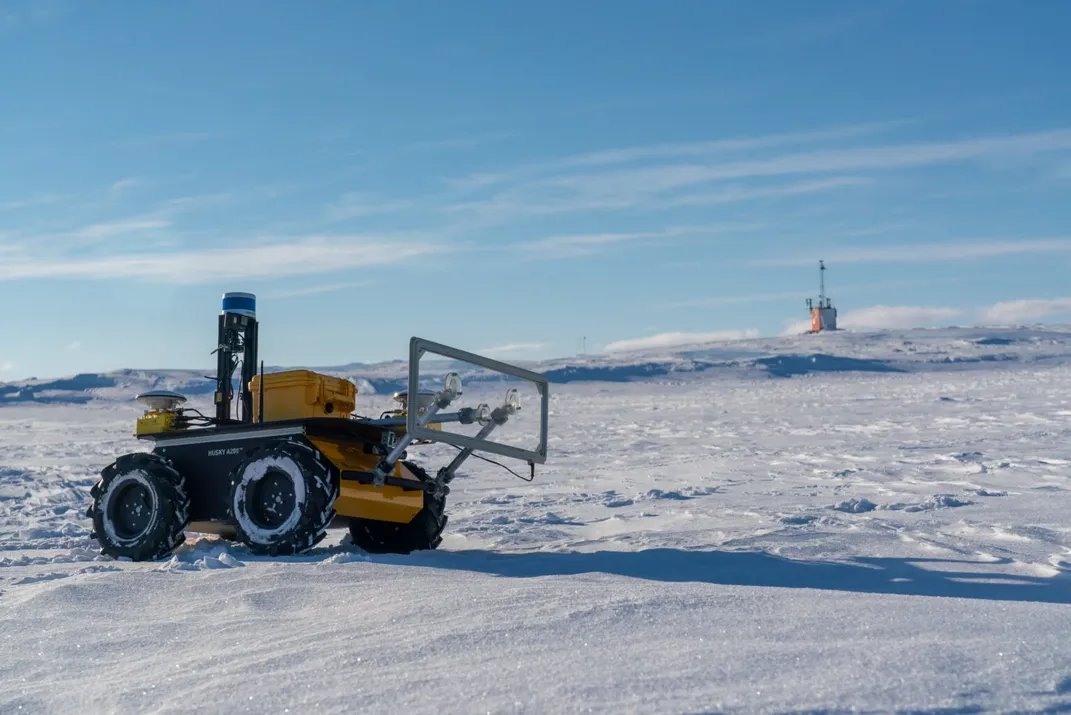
(823, 315)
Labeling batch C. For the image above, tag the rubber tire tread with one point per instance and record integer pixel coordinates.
(321, 485)
(173, 506)
(423, 533)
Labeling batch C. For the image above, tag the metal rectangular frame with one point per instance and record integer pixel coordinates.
(419, 346)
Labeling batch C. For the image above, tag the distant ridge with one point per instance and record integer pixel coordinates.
(889, 351)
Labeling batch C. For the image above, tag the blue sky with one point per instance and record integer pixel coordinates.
(510, 177)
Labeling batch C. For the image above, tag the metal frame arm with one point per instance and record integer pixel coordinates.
(418, 430)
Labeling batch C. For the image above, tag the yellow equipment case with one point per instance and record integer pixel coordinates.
(299, 394)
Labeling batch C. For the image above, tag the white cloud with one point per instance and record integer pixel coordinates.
(475, 181)
(7, 367)
(460, 142)
(119, 228)
(1023, 311)
(38, 200)
(555, 187)
(76, 345)
(671, 340)
(716, 146)
(123, 184)
(879, 317)
(589, 240)
(513, 348)
(737, 194)
(582, 244)
(190, 203)
(884, 317)
(305, 256)
(313, 290)
(894, 156)
(796, 327)
(703, 148)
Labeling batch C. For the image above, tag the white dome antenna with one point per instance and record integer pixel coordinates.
(161, 399)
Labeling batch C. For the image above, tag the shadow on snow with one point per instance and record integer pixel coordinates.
(946, 577)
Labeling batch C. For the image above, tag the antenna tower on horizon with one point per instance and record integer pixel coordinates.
(823, 315)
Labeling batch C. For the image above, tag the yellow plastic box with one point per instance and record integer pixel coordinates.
(296, 394)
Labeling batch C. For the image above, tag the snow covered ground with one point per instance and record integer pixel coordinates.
(702, 541)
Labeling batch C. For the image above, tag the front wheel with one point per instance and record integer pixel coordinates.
(282, 498)
(140, 508)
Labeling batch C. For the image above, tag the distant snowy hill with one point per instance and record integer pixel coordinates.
(843, 351)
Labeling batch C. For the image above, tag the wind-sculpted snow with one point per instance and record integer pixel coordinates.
(791, 365)
(723, 542)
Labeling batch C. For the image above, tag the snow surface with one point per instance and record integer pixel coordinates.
(723, 539)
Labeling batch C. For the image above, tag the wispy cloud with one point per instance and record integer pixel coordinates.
(124, 184)
(663, 151)
(38, 200)
(119, 228)
(513, 348)
(715, 146)
(929, 252)
(568, 185)
(459, 142)
(586, 244)
(313, 290)
(672, 340)
(515, 205)
(878, 317)
(736, 194)
(302, 256)
(1023, 311)
(893, 156)
(195, 202)
(479, 180)
(7, 366)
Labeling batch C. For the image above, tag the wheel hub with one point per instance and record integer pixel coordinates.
(272, 499)
(131, 510)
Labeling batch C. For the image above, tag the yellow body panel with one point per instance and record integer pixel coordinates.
(155, 421)
(365, 501)
(297, 394)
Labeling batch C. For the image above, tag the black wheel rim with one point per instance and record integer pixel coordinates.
(130, 510)
(271, 499)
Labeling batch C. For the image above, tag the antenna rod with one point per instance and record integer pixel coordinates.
(260, 406)
(822, 282)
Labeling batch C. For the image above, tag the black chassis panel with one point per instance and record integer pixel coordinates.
(206, 457)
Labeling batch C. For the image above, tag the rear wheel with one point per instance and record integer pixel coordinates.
(140, 508)
(422, 533)
(282, 498)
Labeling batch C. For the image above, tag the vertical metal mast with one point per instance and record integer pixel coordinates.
(237, 337)
(821, 283)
